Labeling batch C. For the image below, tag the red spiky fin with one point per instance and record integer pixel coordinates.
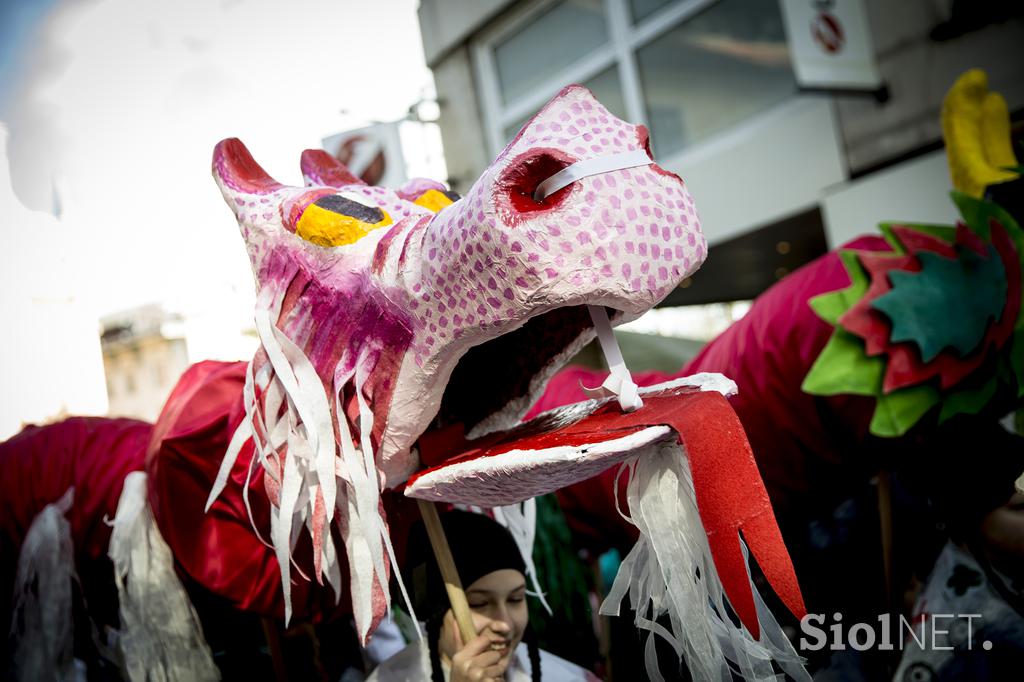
(731, 497)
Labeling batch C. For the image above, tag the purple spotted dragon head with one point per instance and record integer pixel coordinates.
(385, 314)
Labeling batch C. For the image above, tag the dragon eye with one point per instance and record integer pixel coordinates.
(434, 200)
(336, 220)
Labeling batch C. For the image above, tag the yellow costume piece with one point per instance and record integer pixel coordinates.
(976, 129)
(433, 200)
(327, 228)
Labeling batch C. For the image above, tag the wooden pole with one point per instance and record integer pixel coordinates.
(273, 637)
(450, 575)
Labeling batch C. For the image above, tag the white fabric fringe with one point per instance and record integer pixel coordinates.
(619, 382)
(160, 636)
(670, 574)
(521, 521)
(341, 471)
(42, 626)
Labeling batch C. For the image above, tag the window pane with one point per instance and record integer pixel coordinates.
(714, 70)
(514, 129)
(641, 9)
(608, 91)
(551, 41)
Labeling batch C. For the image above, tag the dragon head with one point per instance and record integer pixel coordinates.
(383, 314)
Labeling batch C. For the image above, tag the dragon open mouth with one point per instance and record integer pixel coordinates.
(513, 369)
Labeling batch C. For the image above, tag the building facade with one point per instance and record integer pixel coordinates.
(144, 354)
(779, 173)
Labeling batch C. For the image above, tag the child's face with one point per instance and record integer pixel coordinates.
(498, 604)
(1003, 533)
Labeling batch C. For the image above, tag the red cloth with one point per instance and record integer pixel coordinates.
(803, 444)
(220, 550)
(182, 453)
(37, 467)
(797, 440)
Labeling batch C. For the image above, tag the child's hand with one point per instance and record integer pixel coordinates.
(485, 658)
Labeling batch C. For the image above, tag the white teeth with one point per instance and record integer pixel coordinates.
(620, 382)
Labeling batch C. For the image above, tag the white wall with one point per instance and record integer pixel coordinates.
(915, 191)
(767, 168)
(447, 23)
(918, 71)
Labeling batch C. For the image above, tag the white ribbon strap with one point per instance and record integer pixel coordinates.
(619, 383)
(583, 169)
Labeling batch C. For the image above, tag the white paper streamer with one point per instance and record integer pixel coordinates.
(242, 434)
(315, 465)
(42, 630)
(619, 382)
(160, 635)
(521, 521)
(366, 540)
(670, 575)
(588, 167)
(377, 522)
(306, 392)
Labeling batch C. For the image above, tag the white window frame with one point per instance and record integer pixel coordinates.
(624, 39)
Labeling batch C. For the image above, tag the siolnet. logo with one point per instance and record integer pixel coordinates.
(934, 631)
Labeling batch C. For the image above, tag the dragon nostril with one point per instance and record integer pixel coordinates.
(526, 172)
(644, 138)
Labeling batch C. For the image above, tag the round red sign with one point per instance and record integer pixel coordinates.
(827, 32)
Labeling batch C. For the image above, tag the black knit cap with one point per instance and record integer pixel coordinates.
(971, 472)
(479, 544)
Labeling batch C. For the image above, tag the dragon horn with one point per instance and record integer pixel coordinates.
(237, 173)
(320, 168)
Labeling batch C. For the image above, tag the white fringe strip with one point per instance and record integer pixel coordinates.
(619, 382)
(42, 626)
(160, 635)
(670, 575)
(317, 464)
(521, 521)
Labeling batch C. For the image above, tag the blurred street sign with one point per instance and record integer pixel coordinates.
(830, 44)
(373, 153)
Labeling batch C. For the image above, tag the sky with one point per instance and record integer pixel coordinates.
(115, 106)
(111, 109)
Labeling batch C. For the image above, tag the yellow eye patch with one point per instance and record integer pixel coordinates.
(335, 221)
(434, 200)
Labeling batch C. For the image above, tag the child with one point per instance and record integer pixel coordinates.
(979, 576)
(492, 572)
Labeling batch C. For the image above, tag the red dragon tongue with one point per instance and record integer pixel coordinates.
(731, 497)
(730, 494)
